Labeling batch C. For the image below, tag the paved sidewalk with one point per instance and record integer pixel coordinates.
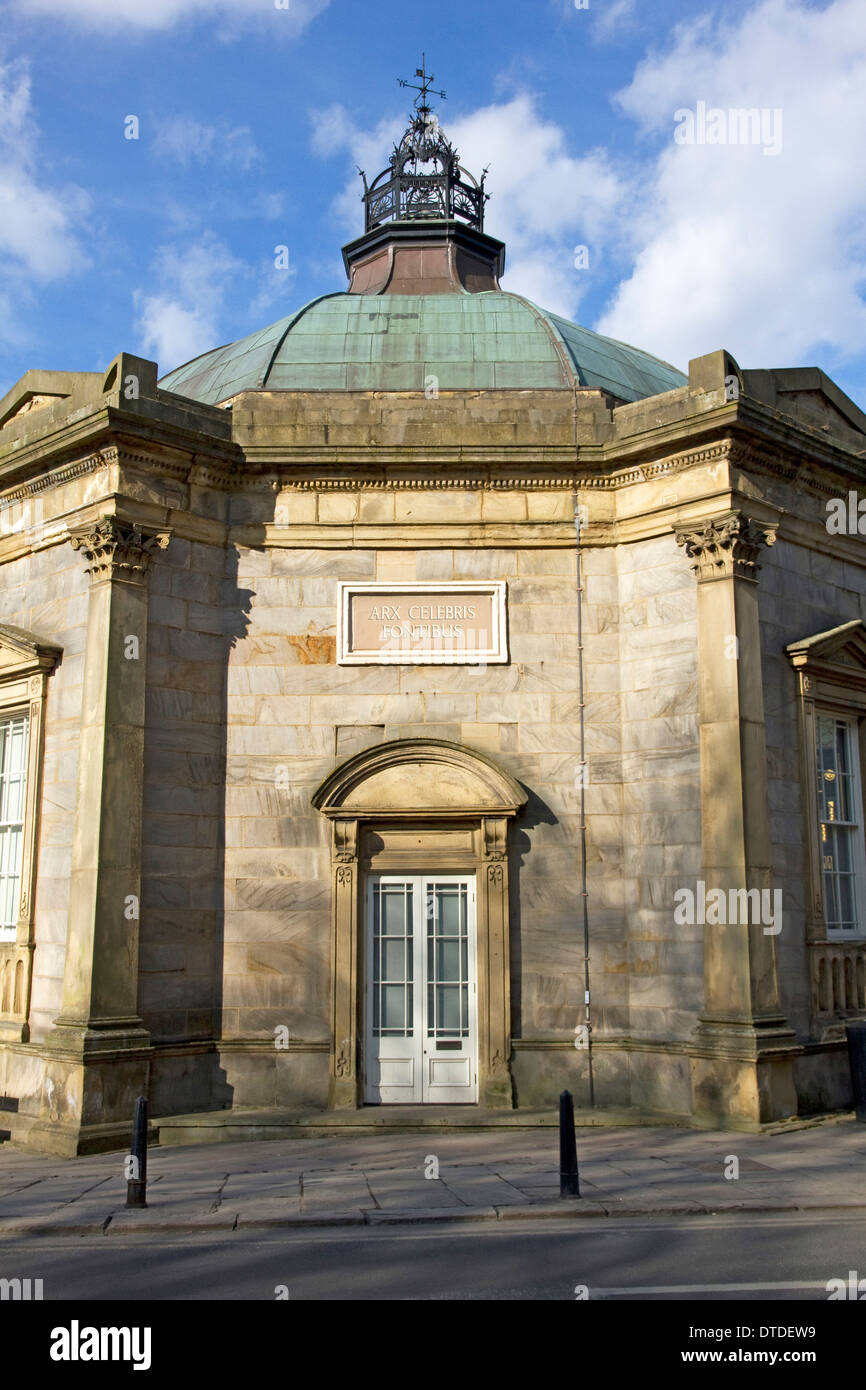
(496, 1175)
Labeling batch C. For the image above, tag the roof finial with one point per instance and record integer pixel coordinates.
(425, 88)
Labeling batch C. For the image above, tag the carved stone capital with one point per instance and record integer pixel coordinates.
(726, 546)
(118, 549)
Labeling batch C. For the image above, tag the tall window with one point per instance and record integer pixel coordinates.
(840, 816)
(13, 786)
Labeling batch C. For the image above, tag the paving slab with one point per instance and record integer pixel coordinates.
(349, 1178)
(394, 1191)
(325, 1197)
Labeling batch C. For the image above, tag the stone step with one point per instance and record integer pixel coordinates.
(231, 1126)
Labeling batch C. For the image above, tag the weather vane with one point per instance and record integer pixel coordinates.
(425, 88)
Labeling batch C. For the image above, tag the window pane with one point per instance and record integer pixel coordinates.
(450, 904)
(396, 908)
(837, 809)
(13, 775)
(392, 960)
(448, 960)
(396, 1006)
(448, 1008)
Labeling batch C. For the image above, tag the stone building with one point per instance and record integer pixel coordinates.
(426, 700)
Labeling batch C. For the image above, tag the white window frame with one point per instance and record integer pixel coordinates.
(8, 718)
(855, 827)
(26, 663)
(830, 669)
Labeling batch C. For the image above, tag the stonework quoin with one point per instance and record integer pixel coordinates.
(116, 549)
(726, 546)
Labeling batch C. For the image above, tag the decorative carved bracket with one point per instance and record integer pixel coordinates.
(117, 549)
(726, 546)
(345, 842)
(495, 832)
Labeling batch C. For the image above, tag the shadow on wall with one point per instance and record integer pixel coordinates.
(521, 892)
(197, 614)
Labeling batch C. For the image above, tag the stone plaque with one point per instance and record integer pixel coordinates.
(421, 624)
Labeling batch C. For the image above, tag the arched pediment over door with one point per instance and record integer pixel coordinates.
(429, 805)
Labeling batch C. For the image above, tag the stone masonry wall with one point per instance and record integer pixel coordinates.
(193, 613)
(293, 714)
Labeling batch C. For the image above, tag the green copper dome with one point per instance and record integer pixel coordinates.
(395, 342)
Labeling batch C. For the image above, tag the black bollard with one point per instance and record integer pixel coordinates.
(856, 1034)
(136, 1185)
(569, 1184)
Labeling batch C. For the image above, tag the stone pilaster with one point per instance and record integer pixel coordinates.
(345, 1023)
(494, 1023)
(742, 1062)
(98, 1033)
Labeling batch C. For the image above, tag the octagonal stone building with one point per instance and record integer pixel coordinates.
(425, 701)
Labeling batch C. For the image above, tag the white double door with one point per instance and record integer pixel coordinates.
(421, 998)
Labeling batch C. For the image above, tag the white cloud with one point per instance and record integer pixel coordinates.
(274, 278)
(284, 20)
(180, 319)
(611, 17)
(334, 132)
(543, 199)
(761, 254)
(39, 224)
(188, 141)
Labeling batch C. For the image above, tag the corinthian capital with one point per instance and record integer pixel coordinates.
(726, 546)
(118, 549)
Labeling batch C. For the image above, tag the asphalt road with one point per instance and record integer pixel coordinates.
(786, 1258)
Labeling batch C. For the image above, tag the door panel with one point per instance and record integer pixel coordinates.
(421, 989)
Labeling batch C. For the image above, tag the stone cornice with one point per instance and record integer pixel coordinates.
(508, 470)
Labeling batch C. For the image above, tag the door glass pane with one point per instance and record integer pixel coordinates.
(394, 961)
(448, 1008)
(451, 906)
(394, 1002)
(447, 960)
(392, 983)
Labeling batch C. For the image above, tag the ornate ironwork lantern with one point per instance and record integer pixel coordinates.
(424, 180)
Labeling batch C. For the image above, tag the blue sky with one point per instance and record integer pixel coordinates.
(252, 119)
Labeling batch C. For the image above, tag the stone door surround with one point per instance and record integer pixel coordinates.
(414, 805)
